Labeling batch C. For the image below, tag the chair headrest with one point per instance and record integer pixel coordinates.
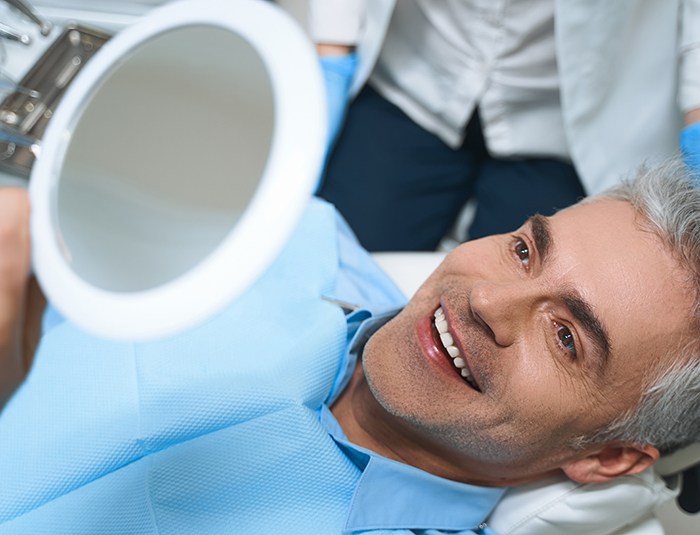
(679, 460)
(687, 461)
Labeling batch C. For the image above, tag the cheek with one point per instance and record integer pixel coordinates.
(383, 358)
(545, 400)
(373, 349)
(428, 294)
(387, 372)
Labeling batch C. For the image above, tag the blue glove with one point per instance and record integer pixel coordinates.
(690, 147)
(338, 72)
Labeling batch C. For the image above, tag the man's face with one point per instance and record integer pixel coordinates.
(557, 325)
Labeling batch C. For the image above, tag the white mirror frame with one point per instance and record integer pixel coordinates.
(289, 179)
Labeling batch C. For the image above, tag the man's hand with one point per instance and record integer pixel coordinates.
(690, 142)
(15, 357)
(338, 63)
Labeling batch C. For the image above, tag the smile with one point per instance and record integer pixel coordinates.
(441, 326)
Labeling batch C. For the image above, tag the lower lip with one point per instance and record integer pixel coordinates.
(432, 352)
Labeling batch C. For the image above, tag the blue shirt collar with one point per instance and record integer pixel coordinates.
(393, 495)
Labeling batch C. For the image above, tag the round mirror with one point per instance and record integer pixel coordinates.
(164, 158)
(176, 167)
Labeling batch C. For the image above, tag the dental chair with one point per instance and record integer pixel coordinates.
(642, 504)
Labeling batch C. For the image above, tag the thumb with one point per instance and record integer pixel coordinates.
(14, 276)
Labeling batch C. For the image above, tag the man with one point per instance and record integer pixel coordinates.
(554, 349)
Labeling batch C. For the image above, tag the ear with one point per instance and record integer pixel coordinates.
(610, 462)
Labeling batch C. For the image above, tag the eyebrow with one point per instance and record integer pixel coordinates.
(574, 301)
(541, 234)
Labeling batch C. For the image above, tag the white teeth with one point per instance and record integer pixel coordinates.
(465, 373)
(446, 339)
(448, 343)
(441, 325)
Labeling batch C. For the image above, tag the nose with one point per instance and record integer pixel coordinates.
(503, 309)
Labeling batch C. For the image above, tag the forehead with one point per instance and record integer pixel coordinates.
(624, 270)
(606, 245)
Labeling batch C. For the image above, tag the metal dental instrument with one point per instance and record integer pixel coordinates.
(26, 9)
(12, 35)
(11, 142)
(17, 138)
(344, 305)
(8, 84)
(26, 111)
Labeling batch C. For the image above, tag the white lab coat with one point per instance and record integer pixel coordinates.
(629, 70)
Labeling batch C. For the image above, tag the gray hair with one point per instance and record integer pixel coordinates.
(668, 414)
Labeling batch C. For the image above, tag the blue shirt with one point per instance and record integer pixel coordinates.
(224, 428)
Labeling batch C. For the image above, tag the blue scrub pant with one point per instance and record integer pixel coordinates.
(401, 188)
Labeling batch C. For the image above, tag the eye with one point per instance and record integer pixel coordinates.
(566, 339)
(522, 251)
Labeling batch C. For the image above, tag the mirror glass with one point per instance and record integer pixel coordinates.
(164, 158)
